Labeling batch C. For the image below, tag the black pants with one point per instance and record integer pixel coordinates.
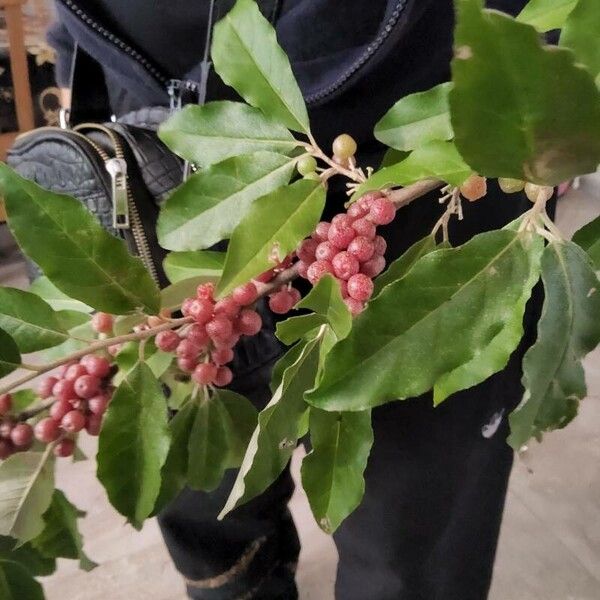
(426, 530)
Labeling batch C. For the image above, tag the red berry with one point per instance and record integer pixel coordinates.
(223, 377)
(302, 269)
(266, 276)
(220, 327)
(354, 306)
(6, 403)
(321, 231)
(373, 267)
(187, 363)
(5, 429)
(204, 373)
(245, 294)
(367, 199)
(98, 404)
(364, 228)
(360, 287)
(6, 449)
(281, 302)
(228, 342)
(188, 349)
(356, 211)
(201, 310)
(474, 188)
(197, 335)
(59, 409)
(345, 265)
(306, 250)
(64, 448)
(95, 365)
(167, 341)
(93, 424)
(228, 307)
(318, 269)
(205, 291)
(102, 322)
(73, 421)
(47, 430)
(80, 405)
(44, 388)
(295, 294)
(186, 305)
(22, 435)
(63, 369)
(380, 245)
(341, 235)
(361, 248)
(87, 386)
(64, 389)
(382, 211)
(325, 251)
(342, 220)
(222, 356)
(249, 322)
(75, 371)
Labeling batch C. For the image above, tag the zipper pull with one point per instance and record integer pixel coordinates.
(117, 169)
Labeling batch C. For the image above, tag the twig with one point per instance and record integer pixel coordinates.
(404, 196)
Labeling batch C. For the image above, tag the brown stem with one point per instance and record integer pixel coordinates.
(404, 196)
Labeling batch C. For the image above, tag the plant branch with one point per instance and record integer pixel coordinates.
(404, 196)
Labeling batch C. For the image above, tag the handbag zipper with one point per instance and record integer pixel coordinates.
(125, 212)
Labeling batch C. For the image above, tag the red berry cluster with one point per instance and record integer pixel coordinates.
(81, 392)
(205, 347)
(349, 249)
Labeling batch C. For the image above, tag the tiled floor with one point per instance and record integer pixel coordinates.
(549, 546)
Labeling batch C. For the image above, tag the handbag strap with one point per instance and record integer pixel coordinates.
(89, 95)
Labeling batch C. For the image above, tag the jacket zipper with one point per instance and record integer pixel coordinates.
(129, 211)
(118, 42)
(371, 50)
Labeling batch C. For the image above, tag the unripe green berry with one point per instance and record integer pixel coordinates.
(344, 146)
(510, 186)
(306, 165)
(538, 192)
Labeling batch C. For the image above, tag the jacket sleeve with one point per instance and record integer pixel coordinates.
(60, 39)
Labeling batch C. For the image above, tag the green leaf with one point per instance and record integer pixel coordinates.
(74, 251)
(294, 328)
(510, 117)
(26, 486)
(133, 445)
(279, 426)
(180, 391)
(241, 420)
(58, 300)
(27, 556)
(29, 320)
(288, 359)
(180, 266)
(401, 266)
(127, 358)
(16, 583)
(210, 204)
(270, 230)
(434, 160)
(247, 57)
(325, 299)
(208, 134)
(588, 237)
(10, 359)
(332, 474)
(417, 119)
(69, 319)
(173, 295)
(21, 399)
(174, 471)
(391, 157)
(580, 34)
(81, 332)
(568, 329)
(60, 537)
(125, 324)
(546, 15)
(454, 300)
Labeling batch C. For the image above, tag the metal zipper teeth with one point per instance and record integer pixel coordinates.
(366, 56)
(115, 40)
(136, 227)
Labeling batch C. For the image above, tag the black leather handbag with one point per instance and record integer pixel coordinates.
(119, 169)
